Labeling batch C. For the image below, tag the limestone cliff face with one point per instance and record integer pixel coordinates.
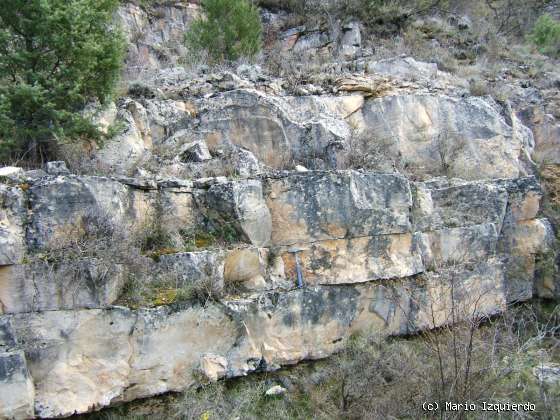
(376, 251)
(445, 225)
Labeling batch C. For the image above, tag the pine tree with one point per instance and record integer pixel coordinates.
(229, 29)
(55, 56)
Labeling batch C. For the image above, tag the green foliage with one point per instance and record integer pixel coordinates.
(55, 56)
(221, 235)
(546, 35)
(230, 29)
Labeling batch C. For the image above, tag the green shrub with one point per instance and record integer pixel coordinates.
(478, 87)
(230, 29)
(546, 35)
(55, 56)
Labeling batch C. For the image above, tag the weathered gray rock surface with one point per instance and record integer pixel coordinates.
(17, 392)
(12, 220)
(335, 205)
(44, 286)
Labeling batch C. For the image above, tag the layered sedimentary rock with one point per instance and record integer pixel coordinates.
(113, 355)
(468, 138)
(337, 205)
(43, 286)
(448, 226)
(376, 252)
(424, 131)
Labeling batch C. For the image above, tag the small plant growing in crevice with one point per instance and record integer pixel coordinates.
(167, 291)
(216, 235)
(156, 240)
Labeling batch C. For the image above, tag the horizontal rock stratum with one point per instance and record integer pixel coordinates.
(399, 198)
(377, 252)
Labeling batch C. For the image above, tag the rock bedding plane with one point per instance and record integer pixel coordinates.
(376, 251)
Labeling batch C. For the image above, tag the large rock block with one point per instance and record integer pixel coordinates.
(272, 130)
(523, 238)
(357, 260)
(314, 322)
(458, 293)
(241, 204)
(72, 284)
(120, 152)
(520, 279)
(79, 360)
(172, 208)
(527, 237)
(542, 123)
(16, 386)
(153, 33)
(445, 247)
(322, 206)
(284, 328)
(524, 198)
(58, 206)
(202, 268)
(168, 345)
(404, 68)
(84, 360)
(61, 206)
(13, 214)
(442, 204)
(520, 243)
(247, 267)
(384, 308)
(468, 138)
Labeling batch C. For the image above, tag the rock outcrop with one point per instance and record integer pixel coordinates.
(233, 205)
(376, 252)
(257, 125)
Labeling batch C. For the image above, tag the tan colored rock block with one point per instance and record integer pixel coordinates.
(358, 260)
(458, 293)
(384, 308)
(444, 247)
(441, 204)
(241, 205)
(285, 328)
(527, 237)
(524, 198)
(80, 358)
(168, 345)
(213, 366)
(73, 284)
(314, 206)
(247, 267)
(435, 134)
(59, 204)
